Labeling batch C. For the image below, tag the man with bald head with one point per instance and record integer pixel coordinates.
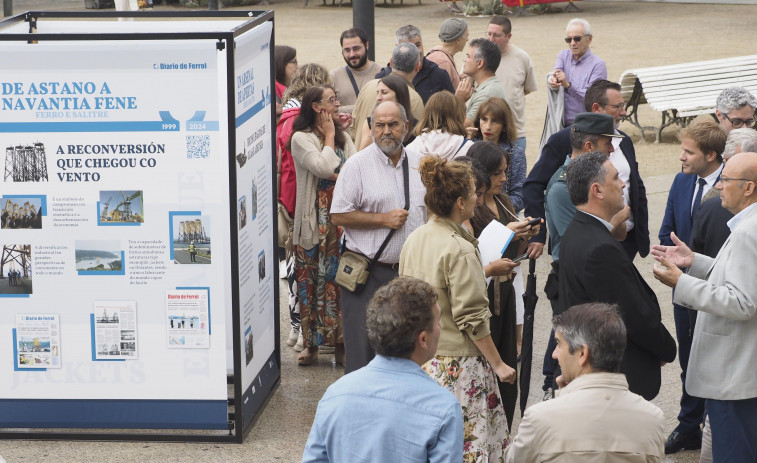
(723, 292)
(369, 201)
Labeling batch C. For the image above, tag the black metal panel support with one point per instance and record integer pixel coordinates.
(212, 4)
(7, 8)
(363, 18)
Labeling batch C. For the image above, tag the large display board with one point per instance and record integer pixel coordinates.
(137, 224)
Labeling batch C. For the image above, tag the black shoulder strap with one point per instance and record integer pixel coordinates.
(406, 181)
(460, 147)
(352, 79)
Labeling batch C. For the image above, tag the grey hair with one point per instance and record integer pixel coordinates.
(737, 138)
(403, 113)
(749, 146)
(405, 57)
(599, 327)
(488, 52)
(406, 33)
(735, 98)
(583, 22)
(582, 172)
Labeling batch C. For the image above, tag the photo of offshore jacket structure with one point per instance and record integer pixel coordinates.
(26, 163)
(192, 231)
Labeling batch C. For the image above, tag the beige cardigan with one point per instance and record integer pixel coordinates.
(312, 162)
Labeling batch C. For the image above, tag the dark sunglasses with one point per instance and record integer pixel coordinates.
(576, 39)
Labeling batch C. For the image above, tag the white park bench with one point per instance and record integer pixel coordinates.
(683, 91)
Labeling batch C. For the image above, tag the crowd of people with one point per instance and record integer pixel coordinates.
(404, 167)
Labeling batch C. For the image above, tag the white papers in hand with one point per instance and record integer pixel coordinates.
(493, 241)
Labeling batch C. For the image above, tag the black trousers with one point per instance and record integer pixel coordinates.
(358, 350)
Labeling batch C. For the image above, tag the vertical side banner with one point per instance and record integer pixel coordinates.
(255, 201)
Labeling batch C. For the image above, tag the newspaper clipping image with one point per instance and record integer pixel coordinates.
(38, 341)
(187, 318)
(115, 329)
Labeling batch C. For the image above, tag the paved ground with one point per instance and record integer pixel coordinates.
(627, 35)
(183, 257)
(24, 286)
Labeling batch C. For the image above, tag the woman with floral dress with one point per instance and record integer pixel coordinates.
(319, 149)
(444, 254)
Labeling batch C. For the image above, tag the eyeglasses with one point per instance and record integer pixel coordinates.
(493, 35)
(728, 179)
(617, 107)
(738, 123)
(576, 39)
(333, 100)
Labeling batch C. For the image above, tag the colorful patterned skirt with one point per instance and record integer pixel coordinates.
(471, 380)
(315, 270)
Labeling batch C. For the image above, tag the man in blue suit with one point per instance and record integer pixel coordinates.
(702, 145)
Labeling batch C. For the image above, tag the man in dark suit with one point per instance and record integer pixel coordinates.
(595, 268)
(702, 145)
(602, 97)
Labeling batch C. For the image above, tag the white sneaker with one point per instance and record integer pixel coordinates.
(293, 335)
(298, 347)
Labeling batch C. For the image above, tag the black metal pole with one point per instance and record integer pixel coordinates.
(212, 4)
(8, 8)
(363, 18)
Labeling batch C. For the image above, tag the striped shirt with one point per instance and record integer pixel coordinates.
(369, 182)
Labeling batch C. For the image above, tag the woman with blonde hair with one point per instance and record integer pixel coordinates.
(494, 123)
(445, 255)
(441, 130)
(319, 149)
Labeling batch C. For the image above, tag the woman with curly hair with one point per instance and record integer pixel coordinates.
(445, 255)
(319, 149)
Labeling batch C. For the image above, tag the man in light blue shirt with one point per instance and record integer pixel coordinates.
(391, 410)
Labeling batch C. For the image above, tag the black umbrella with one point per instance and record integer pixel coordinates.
(526, 351)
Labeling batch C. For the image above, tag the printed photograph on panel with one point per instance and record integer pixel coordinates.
(22, 212)
(120, 207)
(16, 270)
(191, 239)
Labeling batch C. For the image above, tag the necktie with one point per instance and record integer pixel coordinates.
(698, 198)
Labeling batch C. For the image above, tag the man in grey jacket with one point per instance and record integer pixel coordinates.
(721, 365)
